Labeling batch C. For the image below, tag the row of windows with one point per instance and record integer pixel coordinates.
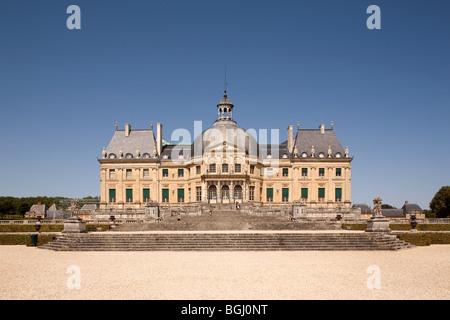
(212, 194)
(213, 169)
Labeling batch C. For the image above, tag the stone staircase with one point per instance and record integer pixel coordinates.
(227, 220)
(221, 241)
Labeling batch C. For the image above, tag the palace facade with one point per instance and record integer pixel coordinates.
(225, 164)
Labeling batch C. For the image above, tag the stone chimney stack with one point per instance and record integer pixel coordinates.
(290, 138)
(322, 128)
(159, 138)
(406, 202)
(127, 129)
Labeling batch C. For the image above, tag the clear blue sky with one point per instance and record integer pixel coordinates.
(387, 90)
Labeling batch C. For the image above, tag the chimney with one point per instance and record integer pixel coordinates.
(406, 202)
(159, 138)
(290, 138)
(127, 129)
(322, 128)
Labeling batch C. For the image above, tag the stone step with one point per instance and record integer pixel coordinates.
(217, 242)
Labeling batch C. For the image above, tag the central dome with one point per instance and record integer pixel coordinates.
(225, 135)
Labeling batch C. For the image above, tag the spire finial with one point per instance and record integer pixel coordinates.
(225, 83)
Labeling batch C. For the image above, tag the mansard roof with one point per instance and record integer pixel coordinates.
(307, 138)
(142, 139)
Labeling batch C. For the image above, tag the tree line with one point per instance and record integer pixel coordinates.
(19, 206)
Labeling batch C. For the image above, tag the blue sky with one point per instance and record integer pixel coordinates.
(387, 90)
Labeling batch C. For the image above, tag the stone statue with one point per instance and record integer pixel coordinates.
(377, 207)
(329, 152)
(313, 151)
(74, 207)
(346, 152)
(104, 153)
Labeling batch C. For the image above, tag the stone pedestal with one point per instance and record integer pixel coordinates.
(378, 224)
(74, 225)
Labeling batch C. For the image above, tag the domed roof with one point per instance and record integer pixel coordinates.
(225, 135)
(225, 99)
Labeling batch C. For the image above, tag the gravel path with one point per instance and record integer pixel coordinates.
(417, 273)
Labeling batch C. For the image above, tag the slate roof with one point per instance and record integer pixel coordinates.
(142, 139)
(364, 207)
(306, 138)
(393, 213)
(411, 207)
(38, 208)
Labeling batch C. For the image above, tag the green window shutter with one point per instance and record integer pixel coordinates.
(112, 193)
(305, 170)
(180, 193)
(270, 192)
(338, 171)
(305, 193)
(285, 192)
(165, 171)
(165, 193)
(338, 192)
(180, 172)
(285, 171)
(322, 170)
(129, 193)
(321, 192)
(146, 193)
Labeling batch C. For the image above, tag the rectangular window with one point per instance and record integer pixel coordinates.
(180, 195)
(180, 173)
(112, 195)
(165, 195)
(112, 173)
(146, 195)
(321, 172)
(285, 194)
(212, 168)
(198, 169)
(285, 172)
(304, 172)
(338, 194)
(321, 193)
(129, 173)
(338, 172)
(251, 194)
(269, 193)
(225, 168)
(304, 193)
(237, 167)
(129, 195)
(252, 169)
(165, 173)
(199, 193)
(146, 173)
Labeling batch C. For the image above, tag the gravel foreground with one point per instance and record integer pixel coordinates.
(37, 274)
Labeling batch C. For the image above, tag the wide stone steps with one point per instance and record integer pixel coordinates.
(224, 242)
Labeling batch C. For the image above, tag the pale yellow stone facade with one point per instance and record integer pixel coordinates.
(138, 168)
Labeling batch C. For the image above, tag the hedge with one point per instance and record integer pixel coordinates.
(24, 239)
(425, 239)
(47, 227)
(402, 226)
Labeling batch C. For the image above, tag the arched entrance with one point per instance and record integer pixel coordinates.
(237, 193)
(212, 194)
(225, 194)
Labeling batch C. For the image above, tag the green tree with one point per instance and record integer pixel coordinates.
(440, 204)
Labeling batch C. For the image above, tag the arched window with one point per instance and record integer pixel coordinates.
(212, 192)
(225, 192)
(238, 192)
